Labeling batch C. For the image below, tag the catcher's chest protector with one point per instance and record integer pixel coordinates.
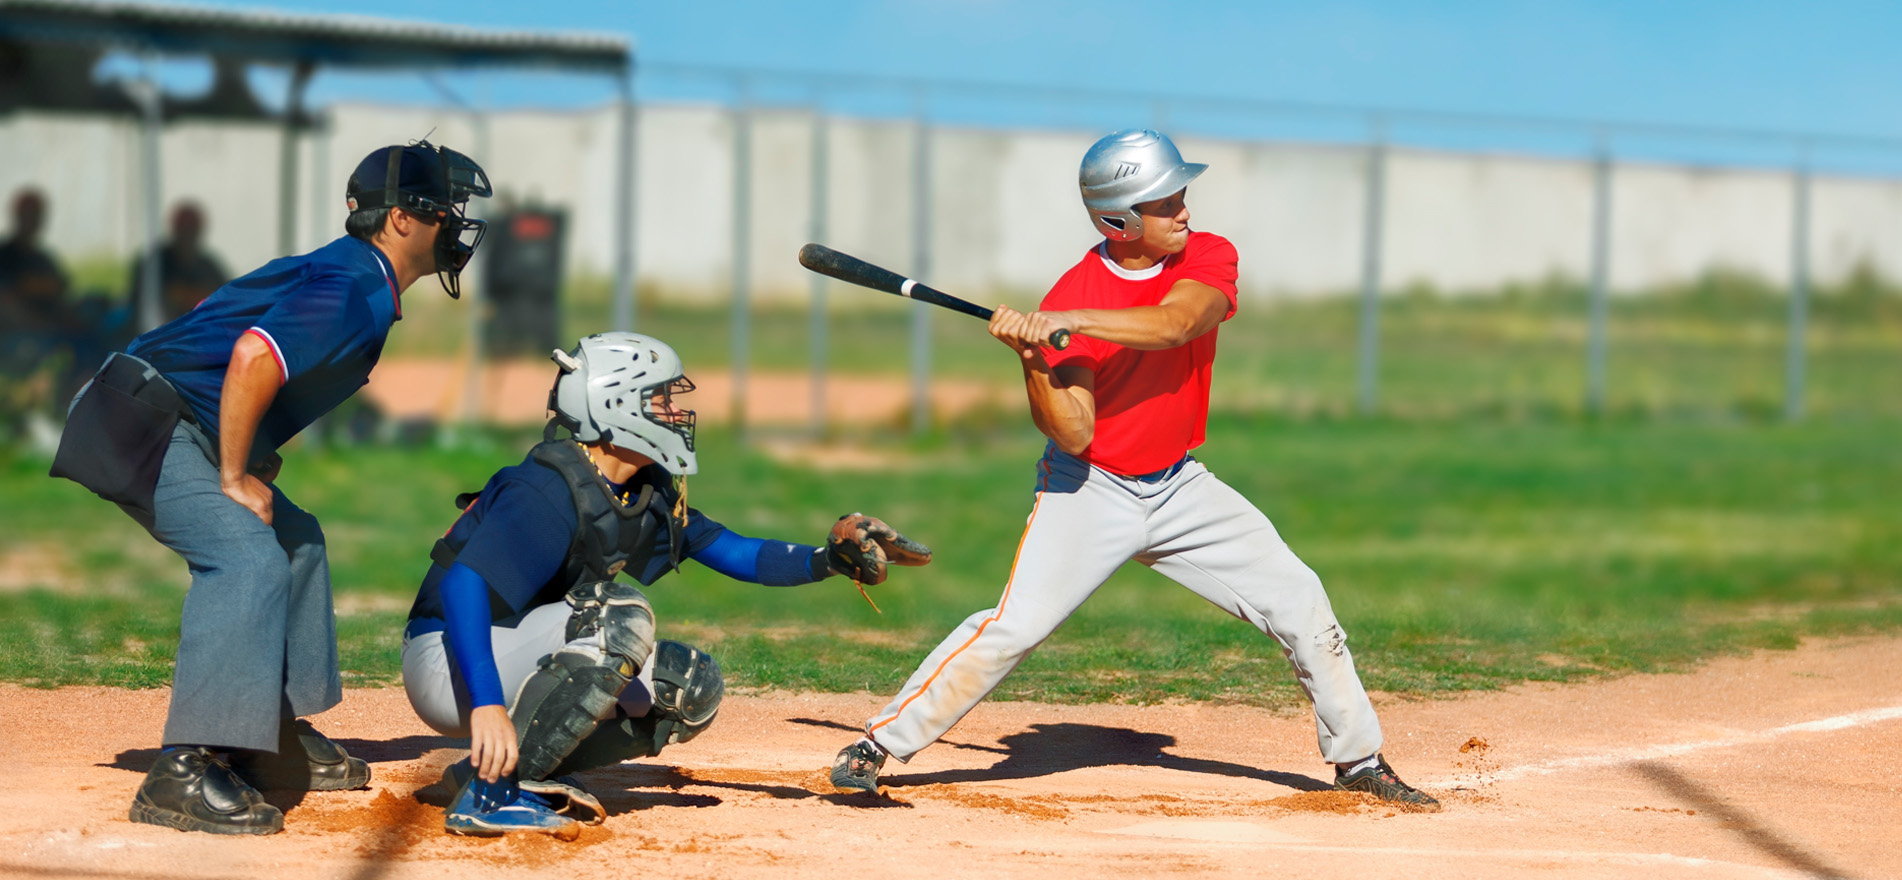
(609, 536)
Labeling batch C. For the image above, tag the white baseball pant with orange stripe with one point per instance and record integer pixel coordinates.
(1182, 522)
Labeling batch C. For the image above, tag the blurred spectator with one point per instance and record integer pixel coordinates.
(187, 272)
(32, 284)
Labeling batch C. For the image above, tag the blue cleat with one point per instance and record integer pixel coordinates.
(492, 809)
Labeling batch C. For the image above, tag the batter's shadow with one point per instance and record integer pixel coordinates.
(1048, 749)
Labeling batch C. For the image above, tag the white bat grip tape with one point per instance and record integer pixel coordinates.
(905, 288)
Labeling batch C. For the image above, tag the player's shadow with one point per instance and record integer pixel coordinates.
(1047, 749)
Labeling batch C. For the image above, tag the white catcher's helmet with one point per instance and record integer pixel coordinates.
(618, 388)
(1124, 170)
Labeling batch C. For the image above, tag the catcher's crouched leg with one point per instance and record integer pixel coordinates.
(688, 688)
(610, 635)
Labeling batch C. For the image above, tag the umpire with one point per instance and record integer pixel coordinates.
(181, 431)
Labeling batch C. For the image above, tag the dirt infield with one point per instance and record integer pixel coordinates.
(1782, 764)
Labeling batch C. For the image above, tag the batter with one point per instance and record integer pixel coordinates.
(1123, 405)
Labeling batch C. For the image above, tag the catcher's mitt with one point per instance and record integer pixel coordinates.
(860, 546)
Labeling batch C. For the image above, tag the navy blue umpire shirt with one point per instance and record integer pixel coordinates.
(324, 315)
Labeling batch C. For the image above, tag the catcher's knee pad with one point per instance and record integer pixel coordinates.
(614, 617)
(687, 692)
(562, 702)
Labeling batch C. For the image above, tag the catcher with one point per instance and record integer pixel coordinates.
(522, 639)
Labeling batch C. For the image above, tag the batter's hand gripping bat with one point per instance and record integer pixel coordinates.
(826, 261)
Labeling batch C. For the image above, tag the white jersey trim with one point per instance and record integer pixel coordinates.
(277, 354)
(1102, 253)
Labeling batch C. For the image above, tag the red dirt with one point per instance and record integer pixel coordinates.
(516, 393)
(1713, 774)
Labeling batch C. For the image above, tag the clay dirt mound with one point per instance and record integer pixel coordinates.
(1776, 765)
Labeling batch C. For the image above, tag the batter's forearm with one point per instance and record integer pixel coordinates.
(251, 383)
(1057, 410)
(1189, 310)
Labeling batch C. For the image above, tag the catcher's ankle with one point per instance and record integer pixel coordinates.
(870, 743)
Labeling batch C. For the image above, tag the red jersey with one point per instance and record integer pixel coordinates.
(1151, 406)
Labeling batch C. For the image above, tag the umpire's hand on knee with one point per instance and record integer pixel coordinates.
(492, 746)
(253, 493)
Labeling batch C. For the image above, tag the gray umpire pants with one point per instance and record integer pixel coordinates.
(257, 638)
(440, 697)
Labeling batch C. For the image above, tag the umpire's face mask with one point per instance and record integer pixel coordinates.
(456, 239)
(458, 235)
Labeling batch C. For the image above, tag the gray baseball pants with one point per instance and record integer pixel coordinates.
(257, 637)
(1185, 524)
(441, 698)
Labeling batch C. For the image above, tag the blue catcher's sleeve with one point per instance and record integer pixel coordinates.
(759, 561)
(465, 605)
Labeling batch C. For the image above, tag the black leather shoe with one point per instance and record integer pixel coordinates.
(305, 761)
(192, 790)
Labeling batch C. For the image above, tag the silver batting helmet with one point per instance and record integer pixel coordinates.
(1124, 170)
(618, 388)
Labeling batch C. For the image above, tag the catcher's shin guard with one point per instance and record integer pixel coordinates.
(687, 691)
(610, 636)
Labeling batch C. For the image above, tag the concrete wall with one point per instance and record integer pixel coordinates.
(1004, 210)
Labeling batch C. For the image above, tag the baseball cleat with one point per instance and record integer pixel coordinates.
(492, 809)
(564, 794)
(856, 768)
(305, 760)
(190, 789)
(1380, 781)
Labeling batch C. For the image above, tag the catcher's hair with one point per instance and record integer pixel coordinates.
(680, 502)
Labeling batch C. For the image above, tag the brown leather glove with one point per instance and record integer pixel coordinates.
(860, 547)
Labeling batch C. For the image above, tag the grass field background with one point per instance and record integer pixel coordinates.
(1479, 531)
(1715, 347)
(1467, 553)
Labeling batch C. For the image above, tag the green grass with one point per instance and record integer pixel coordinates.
(1715, 348)
(1459, 554)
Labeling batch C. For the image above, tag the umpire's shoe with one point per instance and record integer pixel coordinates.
(305, 761)
(856, 768)
(190, 789)
(1379, 780)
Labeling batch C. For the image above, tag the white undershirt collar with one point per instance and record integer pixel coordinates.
(1102, 253)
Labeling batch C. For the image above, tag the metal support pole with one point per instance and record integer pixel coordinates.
(477, 311)
(821, 182)
(921, 268)
(1794, 371)
(742, 251)
(320, 191)
(151, 124)
(625, 247)
(287, 158)
(1601, 283)
(1370, 273)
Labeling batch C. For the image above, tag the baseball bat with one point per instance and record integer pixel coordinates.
(850, 269)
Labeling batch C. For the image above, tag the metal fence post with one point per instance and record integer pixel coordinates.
(821, 182)
(1370, 272)
(624, 214)
(287, 158)
(1794, 370)
(1601, 281)
(742, 251)
(921, 268)
(151, 101)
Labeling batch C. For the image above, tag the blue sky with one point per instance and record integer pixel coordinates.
(1823, 67)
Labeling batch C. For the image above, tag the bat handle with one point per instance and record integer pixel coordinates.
(1060, 340)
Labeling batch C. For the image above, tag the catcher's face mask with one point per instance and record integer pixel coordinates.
(662, 411)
